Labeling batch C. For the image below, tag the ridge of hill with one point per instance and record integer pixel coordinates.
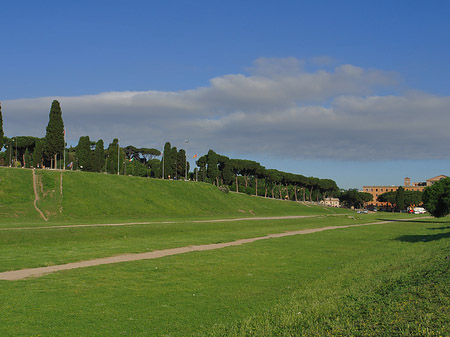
(72, 196)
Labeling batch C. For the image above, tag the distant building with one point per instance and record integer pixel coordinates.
(377, 190)
(333, 202)
(431, 181)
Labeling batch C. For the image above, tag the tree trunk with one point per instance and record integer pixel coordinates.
(295, 193)
(256, 186)
(265, 193)
(279, 190)
(310, 194)
(273, 197)
(237, 186)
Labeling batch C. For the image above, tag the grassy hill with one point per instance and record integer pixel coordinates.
(386, 279)
(93, 197)
(16, 195)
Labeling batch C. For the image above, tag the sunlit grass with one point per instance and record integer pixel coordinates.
(378, 280)
(356, 281)
(101, 198)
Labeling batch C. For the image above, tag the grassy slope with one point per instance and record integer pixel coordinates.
(378, 280)
(16, 195)
(93, 197)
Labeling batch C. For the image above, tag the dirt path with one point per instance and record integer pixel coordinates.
(173, 222)
(36, 272)
(36, 196)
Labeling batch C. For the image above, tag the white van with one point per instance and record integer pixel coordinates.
(419, 210)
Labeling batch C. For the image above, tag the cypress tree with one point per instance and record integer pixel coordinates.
(54, 136)
(112, 157)
(84, 153)
(400, 198)
(212, 171)
(181, 163)
(38, 153)
(167, 161)
(173, 162)
(99, 157)
(201, 163)
(8, 152)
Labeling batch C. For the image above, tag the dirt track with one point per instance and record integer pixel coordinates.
(36, 272)
(171, 222)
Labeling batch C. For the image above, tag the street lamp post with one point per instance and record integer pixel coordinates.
(118, 158)
(185, 164)
(15, 154)
(64, 153)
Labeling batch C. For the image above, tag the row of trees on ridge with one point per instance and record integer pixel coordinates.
(239, 175)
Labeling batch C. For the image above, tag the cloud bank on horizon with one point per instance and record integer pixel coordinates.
(278, 109)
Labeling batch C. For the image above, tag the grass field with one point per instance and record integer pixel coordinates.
(378, 280)
(101, 198)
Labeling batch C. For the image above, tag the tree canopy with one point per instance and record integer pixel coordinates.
(400, 198)
(98, 157)
(243, 175)
(410, 198)
(354, 198)
(84, 155)
(436, 198)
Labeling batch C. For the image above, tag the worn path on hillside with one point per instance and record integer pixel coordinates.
(36, 196)
(36, 272)
(174, 222)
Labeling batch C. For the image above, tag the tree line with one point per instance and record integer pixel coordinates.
(238, 175)
(25, 151)
(401, 198)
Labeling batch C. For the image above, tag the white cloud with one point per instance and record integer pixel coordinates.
(279, 109)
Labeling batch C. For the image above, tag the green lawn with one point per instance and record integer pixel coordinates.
(101, 198)
(389, 279)
(49, 246)
(378, 280)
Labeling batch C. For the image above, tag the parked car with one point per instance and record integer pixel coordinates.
(419, 210)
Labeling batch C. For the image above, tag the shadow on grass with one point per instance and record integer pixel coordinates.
(441, 228)
(423, 238)
(417, 221)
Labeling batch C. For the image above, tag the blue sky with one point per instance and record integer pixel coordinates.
(321, 88)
